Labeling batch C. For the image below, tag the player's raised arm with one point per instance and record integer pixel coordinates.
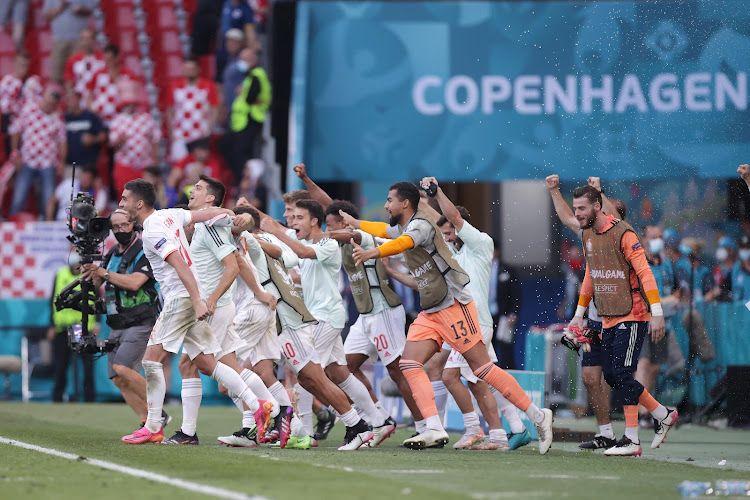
(564, 212)
(316, 192)
(273, 227)
(607, 206)
(446, 205)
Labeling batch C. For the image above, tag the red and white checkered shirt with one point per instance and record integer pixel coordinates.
(41, 136)
(80, 69)
(191, 108)
(140, 132)
(104, 93)
(16, 93)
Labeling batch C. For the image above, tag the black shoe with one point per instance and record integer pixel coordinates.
(278, 419)
(182, 438)
(356, 436)
(165, 419)
(598, 443)
(326, 419)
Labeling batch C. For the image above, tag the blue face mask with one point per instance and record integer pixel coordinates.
(744, 254)
(243, 66)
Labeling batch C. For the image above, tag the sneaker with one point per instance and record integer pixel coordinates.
(243, 438)
(298, 443)
(598, 443)
(624, 448)
(380, 434)
(544, 431)
(143, 436)
(285, 425)
(662, 428)
(515, 441)
(326, 419)
(263, 417)
(313, 442)
(431, 438)
(182, 438)
(165, 419)
(271, 437)
(469, 439)
(489, 445)
(356, 436)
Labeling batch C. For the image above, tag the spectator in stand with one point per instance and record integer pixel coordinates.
(86, 181)
(103, 90)
(135, 137)
(234, 72)
(16, 11)
(239, 15)
(200, 160)
(205, 26)
(672, 245)
(16, 90)
(741, 273)
(692, 275)
(166, 197)
(234, 40)
(251, 186)
(726, 258)
(39, 132)
(193, 109)
(85, 132)
(82, 65)
(68, 18)
(248, 114)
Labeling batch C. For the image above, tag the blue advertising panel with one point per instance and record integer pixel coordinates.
(479, 91)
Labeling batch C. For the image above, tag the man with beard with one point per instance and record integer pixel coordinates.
(448, 313)
(619, 278)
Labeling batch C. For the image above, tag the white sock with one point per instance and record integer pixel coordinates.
(297, 428)
(360, 412)
(509, 411)
(632, 434)
(441, 398)
(660, 413)
(238, 403)
(420, 426)
(356, 390)
(254, 382)
(607, 431)
(434, 423)
(235, 385)
(471, 422)
(382, 411)
(192, 394)
(350, 418)
(498, 435)
(304, 409)
(279, 393)
(156, 389)
(534, 413)
(248, 419)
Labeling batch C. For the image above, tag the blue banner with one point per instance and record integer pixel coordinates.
(479, 91)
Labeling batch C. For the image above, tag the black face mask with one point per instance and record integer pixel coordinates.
(124, 238)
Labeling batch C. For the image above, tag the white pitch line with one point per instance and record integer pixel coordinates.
(151, 476)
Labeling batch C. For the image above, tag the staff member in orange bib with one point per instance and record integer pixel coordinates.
(620, 281)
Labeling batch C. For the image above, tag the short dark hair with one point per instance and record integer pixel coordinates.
(89, 169)
(588, 192)
(191, 59)
(153, 170)
(465, 215)
(293, 197)
(346, 206)
(23, 54)
(314, 208)
(215, 188)
(245, 209)
(142, 190)
(407, 191)
(112, 49)
(622, 209)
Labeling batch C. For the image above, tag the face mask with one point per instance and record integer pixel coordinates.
(74, 259)
(656, 246)
(243, 66)
(685, 250)
(722, 254)
(124, 238)
(744, 254)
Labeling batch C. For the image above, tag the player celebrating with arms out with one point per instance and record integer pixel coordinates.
(620, 280)
(449, 313)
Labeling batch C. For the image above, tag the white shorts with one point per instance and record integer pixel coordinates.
(298, 348)
(221, 324)
(456, 360)
(382, 334)
(177, 327)
(256, 325)
(328, 344)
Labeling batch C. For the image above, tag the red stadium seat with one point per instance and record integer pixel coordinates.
(6, 44)
(127, 41)
(165, 42)
(6, 64)
(133, 63)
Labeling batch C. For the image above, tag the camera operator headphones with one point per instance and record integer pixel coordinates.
(136, 227)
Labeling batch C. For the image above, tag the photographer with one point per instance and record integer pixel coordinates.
(57, 334)
(131, 300)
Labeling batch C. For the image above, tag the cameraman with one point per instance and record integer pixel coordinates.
(131, 299)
